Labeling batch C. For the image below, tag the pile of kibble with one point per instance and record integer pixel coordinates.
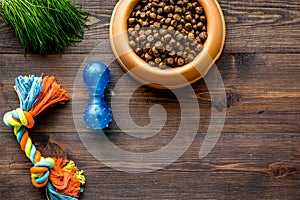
(167, 33)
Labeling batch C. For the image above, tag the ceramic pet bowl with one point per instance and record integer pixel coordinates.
(171, 77)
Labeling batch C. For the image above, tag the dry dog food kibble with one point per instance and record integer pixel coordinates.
(168, 33)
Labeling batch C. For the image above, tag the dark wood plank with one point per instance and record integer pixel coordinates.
(241, 166)
(253, 26)
(257, 155)
(261, 129)
(262, 89)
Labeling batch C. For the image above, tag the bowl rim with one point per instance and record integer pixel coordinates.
(195, 70)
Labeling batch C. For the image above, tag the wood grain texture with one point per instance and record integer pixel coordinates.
(257, 155)
(266, 27)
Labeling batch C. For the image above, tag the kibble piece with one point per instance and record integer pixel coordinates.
(162, 31)
(148, 46)
(148, 32)
(188, 26)
(153, 15)
(154, 4)
(169, 61)
(159, 18)
(137, 14)
(142, 37)
(191, 36)
(182, 21)
(180, 47)
(132, 44)
(193, 52)
(202, 18)
(142, 32)
(145, 24)
(162, 65)
(151, 63)
(180, 61)
(185, 32)
(171, 28)
(170, 15)
(168, 21)
(140, 21)
(156, 24)
(150, 38)
(138, 7)
(174, 23)
(188, 18)
(130, 30)
(164, 26)
(160, 11)
(179, 2)
(148, 12)
(134, 33)
(179, 27)
(167, 9)
(173, 54)
(131, 21)
(179, 53)
(199, 10)
(179, 37)
(188, 49)
(168, 37)
(177, 17)
(190, 57)
(189, 6)
(139, 51)
(203, 35)
(195, 4)
(194, 43)
(150, 52)
(198, 39)
(147, 57)
(137, 27)
(200, 25)
(173, 42)
(143, 15)
(169, 47)
(156, 35)
(157, 60)
(178, 10)
(162, 4)
(158, 44)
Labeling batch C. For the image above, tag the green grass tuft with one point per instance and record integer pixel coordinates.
(45, 26)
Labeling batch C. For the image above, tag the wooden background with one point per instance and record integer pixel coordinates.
(258, 154)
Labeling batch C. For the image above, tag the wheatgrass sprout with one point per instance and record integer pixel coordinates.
(45, 26)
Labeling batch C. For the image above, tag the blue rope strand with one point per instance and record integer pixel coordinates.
(52, 194)
(28, 89)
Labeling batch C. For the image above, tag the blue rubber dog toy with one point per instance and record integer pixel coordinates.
(97, 115)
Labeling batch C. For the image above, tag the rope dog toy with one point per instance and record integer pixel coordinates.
(61, 177)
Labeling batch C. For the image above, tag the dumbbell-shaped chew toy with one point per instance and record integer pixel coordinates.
(97, 115)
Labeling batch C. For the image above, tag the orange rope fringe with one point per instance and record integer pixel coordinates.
(65, 182)
(51, 94)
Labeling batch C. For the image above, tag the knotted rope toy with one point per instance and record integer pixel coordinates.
(61, 177)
